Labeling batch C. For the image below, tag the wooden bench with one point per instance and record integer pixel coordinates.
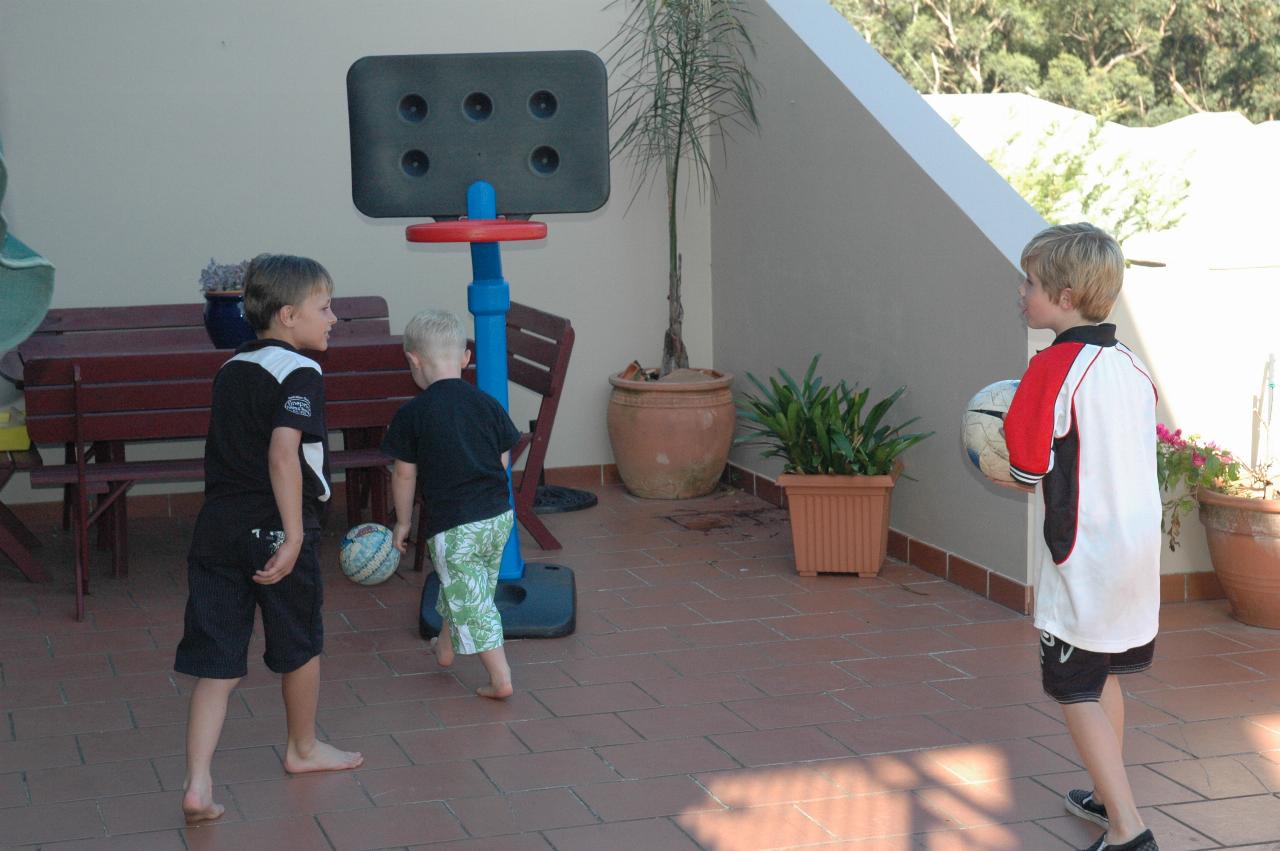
(132, 328)
(96, 398)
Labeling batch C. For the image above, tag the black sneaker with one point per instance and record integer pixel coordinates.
(1080, 803)
(1142, 842)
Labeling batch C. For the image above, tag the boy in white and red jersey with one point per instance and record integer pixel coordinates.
(1082, 430)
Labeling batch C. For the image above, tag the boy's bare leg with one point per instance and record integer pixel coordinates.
(1095, 741)
(1113, 705)
(495, 663)
(204, 727)
(301, 690)
(442, 645)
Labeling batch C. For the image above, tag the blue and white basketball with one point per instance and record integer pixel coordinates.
(983, 439)
(368, 555)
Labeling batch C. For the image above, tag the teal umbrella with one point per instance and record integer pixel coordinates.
(26, 283)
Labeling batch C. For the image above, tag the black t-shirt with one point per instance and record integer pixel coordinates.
(267, 384)
(456, 434)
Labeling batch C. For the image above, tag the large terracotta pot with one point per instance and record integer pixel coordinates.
(671, 439)
(839, 524)
(1244, 546)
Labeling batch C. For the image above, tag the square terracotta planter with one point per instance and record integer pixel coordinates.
(839, 524)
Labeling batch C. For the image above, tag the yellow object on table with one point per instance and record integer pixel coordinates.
(13, 431)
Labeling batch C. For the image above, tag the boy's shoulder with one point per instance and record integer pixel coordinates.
(277, 358)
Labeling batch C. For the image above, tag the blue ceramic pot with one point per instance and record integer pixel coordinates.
(224, 319)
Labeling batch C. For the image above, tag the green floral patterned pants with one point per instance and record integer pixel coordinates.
(467, 559)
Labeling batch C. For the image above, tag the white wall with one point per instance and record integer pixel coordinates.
(145, 136)
(858, 225)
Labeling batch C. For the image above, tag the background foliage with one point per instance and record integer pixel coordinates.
(1139, 62)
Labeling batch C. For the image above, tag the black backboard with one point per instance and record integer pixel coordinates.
(424, 128)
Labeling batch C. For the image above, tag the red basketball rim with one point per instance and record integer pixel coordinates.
(476, 230)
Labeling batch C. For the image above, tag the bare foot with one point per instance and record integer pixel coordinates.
(496, 691)
(443, 651)
(321, 757)
(198, 806)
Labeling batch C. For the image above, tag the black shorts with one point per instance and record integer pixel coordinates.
(1073, 675)
(220, 607)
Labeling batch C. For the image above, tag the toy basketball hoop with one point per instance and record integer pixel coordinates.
(500, 229)
(438, 136)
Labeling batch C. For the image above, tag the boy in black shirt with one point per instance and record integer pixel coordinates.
(256, 536)
(461, 438)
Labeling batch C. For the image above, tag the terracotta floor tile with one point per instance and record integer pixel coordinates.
(642, 617)
(80, 782)
(433, 782)
(158, 840)
(731, 588)
(995, 760)
(678, 722)
(1233, 821)
(779, 747)
(386, 827)
(799, 651)
(593, 700)
(910, 642)
(903, 669)
(1140, 748)
(820, 625)
(289, 832)
(907, 699)
(773, 784)
(515, 842)
(25, 695)
(575, 731)
(13, 791)
(1201, 703)
(50, 822)
(669, 593)
(894, 733)
(1219, 737)
(65, 721)
(998, 634)
(810, 678)
(229, 767)
(753, 828)
(990, 802)
(888, 814)
(616, 669)
(727, 633)
(680, 691)
(541, 809)
(108, 641)
(1150, 787)
(1200, 671)
(301, 795)
(154, 811)
(769, 713)
(426, 686)
(552, 768)
(1224, 776)
(1266, 662)
(424, 746)
(742, 608)
(999, 722)
(1004, 837)
(649, 834)
(717, 660)
(994, 691)
(35, 754)
(464, 711)
(634, 641)
(655, 759)
(639, 799)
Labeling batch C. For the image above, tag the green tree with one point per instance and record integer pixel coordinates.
(1141, 62)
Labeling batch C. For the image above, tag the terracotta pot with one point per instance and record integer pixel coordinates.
(671, 439)
(839, 524)
(1244, 546)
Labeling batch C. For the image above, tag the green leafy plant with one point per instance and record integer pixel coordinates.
(821, 429)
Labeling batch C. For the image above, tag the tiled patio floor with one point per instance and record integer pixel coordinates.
(709, 699)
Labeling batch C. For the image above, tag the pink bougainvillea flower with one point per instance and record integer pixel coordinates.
(1197, 460)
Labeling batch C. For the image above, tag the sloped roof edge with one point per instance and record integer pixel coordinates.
(991, 204)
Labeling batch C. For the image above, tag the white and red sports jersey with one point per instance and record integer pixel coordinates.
(1082, 427)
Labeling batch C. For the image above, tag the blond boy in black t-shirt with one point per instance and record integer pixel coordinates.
(451, 444)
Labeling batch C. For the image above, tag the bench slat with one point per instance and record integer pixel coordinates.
(65, 320)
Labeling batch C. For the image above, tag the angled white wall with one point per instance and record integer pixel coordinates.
(145, 136)
(859, 226)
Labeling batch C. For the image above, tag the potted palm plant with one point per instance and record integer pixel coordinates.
(841, 461)
(680, 77)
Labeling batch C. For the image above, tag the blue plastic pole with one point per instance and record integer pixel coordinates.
(489, 299)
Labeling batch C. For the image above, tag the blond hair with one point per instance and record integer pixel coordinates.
(434, 332)
(1082, 257)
